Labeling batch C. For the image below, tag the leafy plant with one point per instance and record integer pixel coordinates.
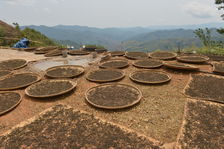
(206, 50)
(204, 36)
(220, 4)
(16, 26)
(37, 38)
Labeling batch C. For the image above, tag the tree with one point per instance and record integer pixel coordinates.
(204, 36)
(220, 4)
(16, 26)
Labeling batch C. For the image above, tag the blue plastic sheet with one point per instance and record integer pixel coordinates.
(23, 43)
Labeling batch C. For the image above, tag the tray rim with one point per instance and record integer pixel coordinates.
(52, 54)
(147, 67)
(104, 81)
(163, 58)
(86, 53)
(112, 107)
(149, 82)
(213, 68)
(191, 67)
(123, 53)
(71, 76)
(21, 86)
(15, 105)
(7, 74)
(26, 62)
(74, 84)
(134, 57)
(192, 61)
(101, 65)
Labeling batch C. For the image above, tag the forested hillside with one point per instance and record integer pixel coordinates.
(137, 38)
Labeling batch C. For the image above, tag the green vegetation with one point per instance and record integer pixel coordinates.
(162, 44)
(205, 50)
(220, 4)
(204, 36)
(9, 35)
(210, 46)
(37, 38)
(16, 26)
(2, 32)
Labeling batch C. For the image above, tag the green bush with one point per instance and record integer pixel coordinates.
(206, 50)
(37, 38)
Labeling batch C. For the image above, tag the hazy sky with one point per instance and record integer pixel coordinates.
(109, 13)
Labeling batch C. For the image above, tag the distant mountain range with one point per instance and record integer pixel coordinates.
(135, 38)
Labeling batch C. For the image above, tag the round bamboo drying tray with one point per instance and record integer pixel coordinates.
(181, 66)
(131, 76)
(113, 107)
(28, 89)
(193, 59)
(105, 64)
(37, 78)
(12, 106)
(162, 55)
(156, 65)
(81, 70)
(122, 75)
(3, 64)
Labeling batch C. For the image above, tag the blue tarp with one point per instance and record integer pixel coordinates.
(23, 43)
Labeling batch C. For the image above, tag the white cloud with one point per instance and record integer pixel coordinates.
(29, 2)
(47, 10)
(20, 2)
(56, 1)
(200, 10)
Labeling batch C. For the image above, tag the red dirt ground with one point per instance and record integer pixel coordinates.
(159, 115)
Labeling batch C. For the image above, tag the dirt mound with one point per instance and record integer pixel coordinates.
(8, 30)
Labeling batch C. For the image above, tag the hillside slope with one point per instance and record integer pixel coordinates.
(166, 40)
(9, 35)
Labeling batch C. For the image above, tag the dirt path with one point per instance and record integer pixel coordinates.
(14, 54)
